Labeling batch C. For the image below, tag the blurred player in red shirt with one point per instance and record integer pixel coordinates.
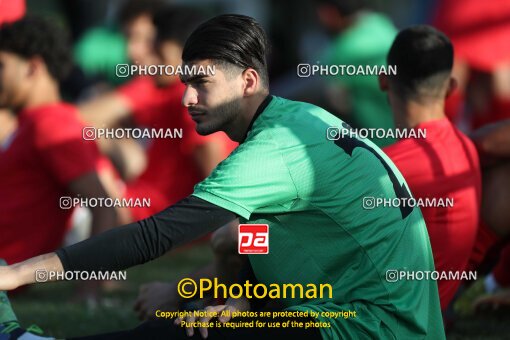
(493, 143)
(174, 166)
(9, 11)
(479, 31)
(445, 163)
(46, 158)
(12, 10)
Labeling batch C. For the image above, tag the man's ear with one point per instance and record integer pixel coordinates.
(452, 86)
(251, 81)
(383, 82)
(35, 65)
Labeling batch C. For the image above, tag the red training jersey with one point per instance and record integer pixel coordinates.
(444, 165)
(11, 10)
(478, 29)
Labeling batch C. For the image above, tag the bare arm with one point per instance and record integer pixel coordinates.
(109, 111)
(113, 190)
(106, 111)
(90, 186)
(493, 141)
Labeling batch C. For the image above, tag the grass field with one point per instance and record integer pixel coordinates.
(50, 307)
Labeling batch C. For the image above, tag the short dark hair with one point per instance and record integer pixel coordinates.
(232, 39)
(34, 36)
(177, 23)
(345, 7)
(132, 9)
(424, 59)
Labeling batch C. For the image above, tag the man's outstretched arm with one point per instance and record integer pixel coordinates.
(493, 142)
(126, 246)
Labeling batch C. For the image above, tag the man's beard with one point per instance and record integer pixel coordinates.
(220, 117)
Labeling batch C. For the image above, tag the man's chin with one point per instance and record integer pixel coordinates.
(205, 130)
(202, 131)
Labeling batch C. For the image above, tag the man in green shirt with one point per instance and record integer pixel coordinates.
(309, 190)
(360, 37)
(315, 191)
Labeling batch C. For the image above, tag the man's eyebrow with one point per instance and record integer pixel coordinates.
(193, 78)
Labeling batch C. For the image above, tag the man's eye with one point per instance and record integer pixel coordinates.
(199, 83)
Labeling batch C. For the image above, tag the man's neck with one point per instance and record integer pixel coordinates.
(410, 114)
(44, 92)
(238, 129)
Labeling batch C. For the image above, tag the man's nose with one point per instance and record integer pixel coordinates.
(190, 97)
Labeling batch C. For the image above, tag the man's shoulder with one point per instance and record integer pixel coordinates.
(57, 122)
(290, 123)
(443, 146)
(406, 147)
(445, 133)
(426, 135)
(282, 111)
(55, 115)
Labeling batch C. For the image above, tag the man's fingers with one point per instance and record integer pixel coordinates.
(227, 316)
(208, 316)
(189, 330)
(203, 332)
(210, 312)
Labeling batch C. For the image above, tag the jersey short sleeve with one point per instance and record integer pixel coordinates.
(252, 179)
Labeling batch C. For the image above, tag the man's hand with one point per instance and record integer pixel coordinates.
(232, 305)
(154, 296)
(495, 300)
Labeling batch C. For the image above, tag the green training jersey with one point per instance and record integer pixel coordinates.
(310, 191)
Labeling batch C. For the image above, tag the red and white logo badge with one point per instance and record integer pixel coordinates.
(253, 239)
